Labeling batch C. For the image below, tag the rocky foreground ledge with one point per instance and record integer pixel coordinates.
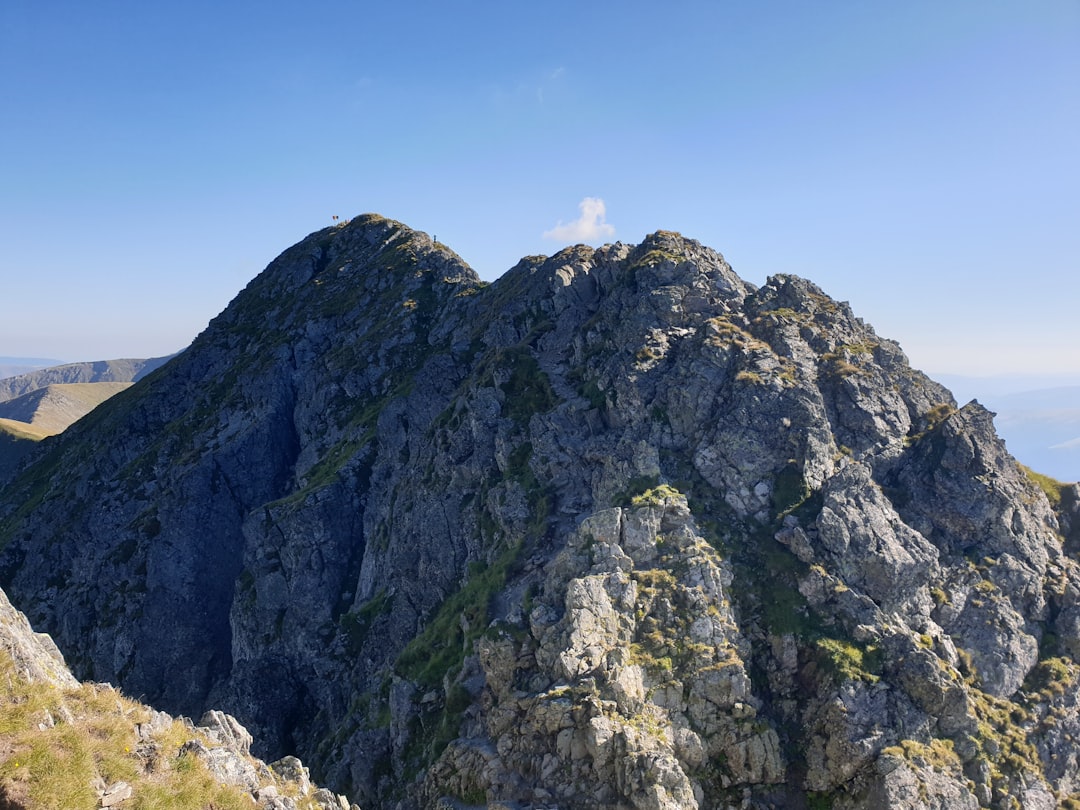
(85, 746)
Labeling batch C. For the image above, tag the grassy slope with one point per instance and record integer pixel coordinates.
(52, 409)
(25, 381)
(58, 747)
(15, 430)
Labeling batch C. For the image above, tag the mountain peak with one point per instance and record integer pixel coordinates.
(618, 529)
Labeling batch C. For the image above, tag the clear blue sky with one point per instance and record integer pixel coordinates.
(919, 159)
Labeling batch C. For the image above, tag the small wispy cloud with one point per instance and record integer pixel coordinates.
(529, 89)
(591, 226)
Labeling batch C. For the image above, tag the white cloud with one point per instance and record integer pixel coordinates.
(589, 227)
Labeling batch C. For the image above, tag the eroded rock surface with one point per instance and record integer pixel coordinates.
(618, 530)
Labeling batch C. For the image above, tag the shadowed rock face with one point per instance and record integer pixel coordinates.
(618, 530)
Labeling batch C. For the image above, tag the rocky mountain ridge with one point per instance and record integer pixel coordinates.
(617, 530)
(14, 366)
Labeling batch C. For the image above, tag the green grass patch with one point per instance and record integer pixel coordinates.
(655, 496)
(462, 618)
(790, 490)
(652, 258)
(435, 656)
(1051, 487)
(54, 744)
(528, 390)
(356, 624)
(636, 487)
(848, 661)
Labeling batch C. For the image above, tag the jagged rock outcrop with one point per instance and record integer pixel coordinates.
(34, 656)
(618, 530)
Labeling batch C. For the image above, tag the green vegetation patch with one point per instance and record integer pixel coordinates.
(1050, 677)
(655, 496)
(932, 419)
(1052, 488)
(356, 624)
(537, 495)
(435, 656)
(528, 389)
(938, 754)
(790, 490)
(637, 487)
(440, 649)
(54, 744)
(654, 257)
(849, 661)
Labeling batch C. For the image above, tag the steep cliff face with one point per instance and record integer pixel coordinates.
(617, 530)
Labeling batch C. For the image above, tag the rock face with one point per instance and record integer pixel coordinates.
(34, 655)
(618, 530)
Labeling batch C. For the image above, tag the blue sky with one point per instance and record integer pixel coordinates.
(917, 159)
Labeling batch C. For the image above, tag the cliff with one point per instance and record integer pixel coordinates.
(617, 530)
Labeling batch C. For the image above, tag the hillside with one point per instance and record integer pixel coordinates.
(17, 439)
(50, 410)
(44, 402)
(27, 419)
(618, 530)
(100, 371)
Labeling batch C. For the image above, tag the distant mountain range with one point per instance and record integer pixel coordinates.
(12, 366)
(125, 370)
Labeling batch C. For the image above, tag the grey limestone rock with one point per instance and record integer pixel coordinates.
(34, 655)
(616, 530)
